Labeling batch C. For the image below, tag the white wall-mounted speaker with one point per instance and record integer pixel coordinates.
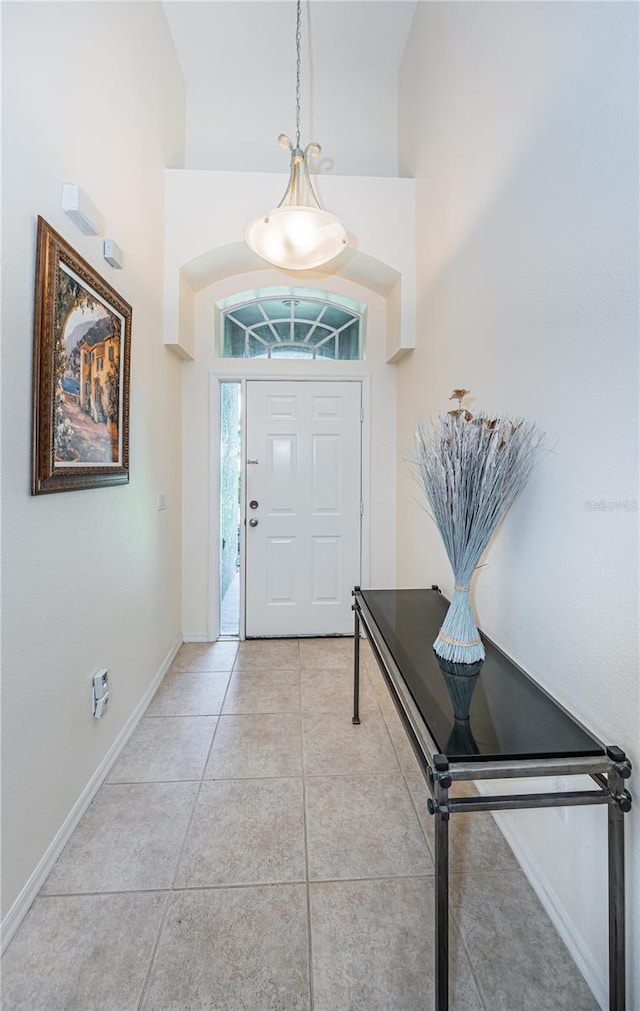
(81, 210)
(112, 253)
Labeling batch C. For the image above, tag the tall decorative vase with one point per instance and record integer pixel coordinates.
(472, 469)
(458, 639)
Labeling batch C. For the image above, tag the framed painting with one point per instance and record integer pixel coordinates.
(81, 364)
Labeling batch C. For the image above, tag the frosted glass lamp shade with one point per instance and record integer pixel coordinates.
(297, 237)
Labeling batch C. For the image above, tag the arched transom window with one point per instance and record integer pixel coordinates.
(294, 324)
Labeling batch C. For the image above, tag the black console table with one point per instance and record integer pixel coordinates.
(497, 725)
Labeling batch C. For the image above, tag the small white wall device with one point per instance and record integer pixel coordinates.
(100, 694)
(81, 210)
(112, 253)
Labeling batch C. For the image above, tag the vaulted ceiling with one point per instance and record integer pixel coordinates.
(238, 62)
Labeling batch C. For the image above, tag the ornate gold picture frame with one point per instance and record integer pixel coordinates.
(81, 366)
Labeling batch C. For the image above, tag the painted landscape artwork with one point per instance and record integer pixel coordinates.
(87, 402)
(81, 372)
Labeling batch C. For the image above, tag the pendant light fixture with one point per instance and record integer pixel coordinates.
(298, 234)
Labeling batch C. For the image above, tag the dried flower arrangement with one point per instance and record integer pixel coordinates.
(472, 469)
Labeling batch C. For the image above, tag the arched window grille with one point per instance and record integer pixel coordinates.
(299, 324)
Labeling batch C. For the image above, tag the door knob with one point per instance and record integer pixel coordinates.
(253, 522)
(253, 504)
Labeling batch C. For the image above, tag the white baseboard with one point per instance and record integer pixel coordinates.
(21, 906)
(195, 637)
(596, 981)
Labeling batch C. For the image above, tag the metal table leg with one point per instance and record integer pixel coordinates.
(442, 782)
(619, 803)
(356, 664)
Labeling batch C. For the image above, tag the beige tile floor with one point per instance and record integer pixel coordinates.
(251, 850)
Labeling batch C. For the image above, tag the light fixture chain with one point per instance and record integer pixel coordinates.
(298, 234)
(298, 42)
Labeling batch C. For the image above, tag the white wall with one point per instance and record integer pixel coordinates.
(520, 124)
(92, 95)
(239, 65)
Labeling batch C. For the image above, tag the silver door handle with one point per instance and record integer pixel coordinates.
(253, 504)
(252, 461)
(253, 522)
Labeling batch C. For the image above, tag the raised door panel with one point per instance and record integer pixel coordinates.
(326, 568)
(280, 571)
(326, 475)
(282, 475)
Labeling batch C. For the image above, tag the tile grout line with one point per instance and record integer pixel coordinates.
(224, 886)
(200, 784)
(306, 855)
(394, 749)
(472, 969)
(415, 808)
(306, 841)
(298, 712)
(145, 982)
(172, 890)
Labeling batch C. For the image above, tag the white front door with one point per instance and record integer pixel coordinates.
(303, 495)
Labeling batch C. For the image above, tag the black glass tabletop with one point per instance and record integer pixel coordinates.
(492, 710)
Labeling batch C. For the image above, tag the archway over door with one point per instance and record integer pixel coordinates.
(353, 266)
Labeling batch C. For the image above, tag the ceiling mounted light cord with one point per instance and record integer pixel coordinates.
(298, 44)
(298, 234)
